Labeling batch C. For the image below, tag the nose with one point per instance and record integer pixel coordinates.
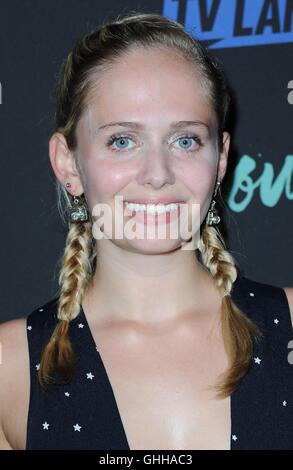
(156, 169)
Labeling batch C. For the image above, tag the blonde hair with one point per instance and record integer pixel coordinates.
(238, 330)
(91, 55)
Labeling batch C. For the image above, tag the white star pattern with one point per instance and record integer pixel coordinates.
(90, 376)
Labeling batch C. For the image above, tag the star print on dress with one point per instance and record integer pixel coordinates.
(80, 325)
(257, 360)
(29, 327)
(261, 408)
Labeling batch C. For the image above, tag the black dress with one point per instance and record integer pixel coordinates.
(84, 414)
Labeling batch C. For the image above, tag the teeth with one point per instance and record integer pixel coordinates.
(152, 208)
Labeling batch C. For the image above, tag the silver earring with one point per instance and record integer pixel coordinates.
(77, 208)
(77, 211)
(213, 218)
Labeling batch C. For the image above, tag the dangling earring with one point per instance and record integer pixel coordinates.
(77, 210)
(213, 218)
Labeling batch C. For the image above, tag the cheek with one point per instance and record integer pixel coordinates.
(104, 179)
(198, 178)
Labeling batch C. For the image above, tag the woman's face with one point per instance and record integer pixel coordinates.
(156, 156)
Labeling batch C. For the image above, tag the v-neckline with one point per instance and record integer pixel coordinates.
(93, 345)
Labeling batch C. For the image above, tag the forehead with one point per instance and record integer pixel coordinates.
(153, 85)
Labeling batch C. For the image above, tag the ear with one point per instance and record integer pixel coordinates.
(223, 157)
(63, 164)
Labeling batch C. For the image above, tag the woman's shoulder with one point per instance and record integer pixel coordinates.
(16, 359)
(12, 342)
(266, 303)
(14, 336)
(43, 315)
(40, 324)
(14, 378)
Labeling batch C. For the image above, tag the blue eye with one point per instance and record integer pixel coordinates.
(186, 140)
(116, 138)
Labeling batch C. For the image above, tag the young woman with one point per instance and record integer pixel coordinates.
(150, 344)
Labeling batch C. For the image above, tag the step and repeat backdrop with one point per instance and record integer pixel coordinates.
(254, 41)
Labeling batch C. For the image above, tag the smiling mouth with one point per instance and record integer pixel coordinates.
(152, 209)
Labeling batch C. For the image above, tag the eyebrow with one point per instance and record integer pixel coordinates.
(138, 126)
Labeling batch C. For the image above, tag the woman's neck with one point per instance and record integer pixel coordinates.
(149, 288)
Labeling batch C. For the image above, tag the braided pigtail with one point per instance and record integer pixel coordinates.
(238, 330)
(75, 274)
